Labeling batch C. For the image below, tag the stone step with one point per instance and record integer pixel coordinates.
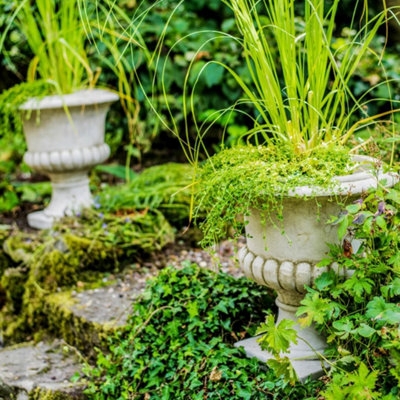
(85, 318)
(39, 372)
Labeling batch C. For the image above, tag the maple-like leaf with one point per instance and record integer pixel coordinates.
(379, 309)
(277, 338)
(314, 309)
(282, 367)
(357, 285)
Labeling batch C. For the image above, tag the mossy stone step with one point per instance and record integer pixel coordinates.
(84, 319)
(39, 372)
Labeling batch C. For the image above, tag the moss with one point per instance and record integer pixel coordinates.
(5, 260)
(44, 394)
(241, 178)
(20, 246)
(75, 330)
(13, 282)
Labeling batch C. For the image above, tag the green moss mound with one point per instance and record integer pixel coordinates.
(244, 177)
(179, 343)
(42, 394)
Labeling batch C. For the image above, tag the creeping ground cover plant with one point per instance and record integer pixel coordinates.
(179, 344)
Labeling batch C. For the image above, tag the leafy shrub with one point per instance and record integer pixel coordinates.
(360, 315)
(178, 343)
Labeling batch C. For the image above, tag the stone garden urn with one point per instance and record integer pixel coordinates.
(65, 137)
(287, 262)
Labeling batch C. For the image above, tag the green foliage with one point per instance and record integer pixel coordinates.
(164, 187)
(276, 338)
(56, 37)
(178, 343)
(303, 101)
(359, 314)
(244, 177)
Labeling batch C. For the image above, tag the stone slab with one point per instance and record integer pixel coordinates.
(304, 368)
(86, 318)
(109, 305)
(46, 366)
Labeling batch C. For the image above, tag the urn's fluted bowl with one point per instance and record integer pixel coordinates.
(65, 138)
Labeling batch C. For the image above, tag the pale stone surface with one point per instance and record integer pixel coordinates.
(304, 368)
(65, 137)
(109, 305)
(44, 366)
(286, 262)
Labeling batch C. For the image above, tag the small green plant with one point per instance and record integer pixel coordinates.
(163, 187)
(360, 314)
(244, 177)
(178, 343)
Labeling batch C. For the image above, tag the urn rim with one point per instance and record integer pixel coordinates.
(79, 98)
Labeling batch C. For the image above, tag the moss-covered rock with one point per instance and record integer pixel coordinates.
(41, 371)
(75, 250)
(77, 331)
(13, 281)
(5, 260)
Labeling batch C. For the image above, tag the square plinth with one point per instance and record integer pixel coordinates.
(304, 368)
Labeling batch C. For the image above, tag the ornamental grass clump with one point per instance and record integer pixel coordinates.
(57, 39)
(303, 100)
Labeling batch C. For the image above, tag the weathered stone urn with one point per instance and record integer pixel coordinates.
(65, 137)
(287, 262)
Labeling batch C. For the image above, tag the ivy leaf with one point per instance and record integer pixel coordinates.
(276, 338)
(192, 309)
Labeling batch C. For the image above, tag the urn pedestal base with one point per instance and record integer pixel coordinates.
(289, 280)
(305, 368)
(70, 194)
(304, 355)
